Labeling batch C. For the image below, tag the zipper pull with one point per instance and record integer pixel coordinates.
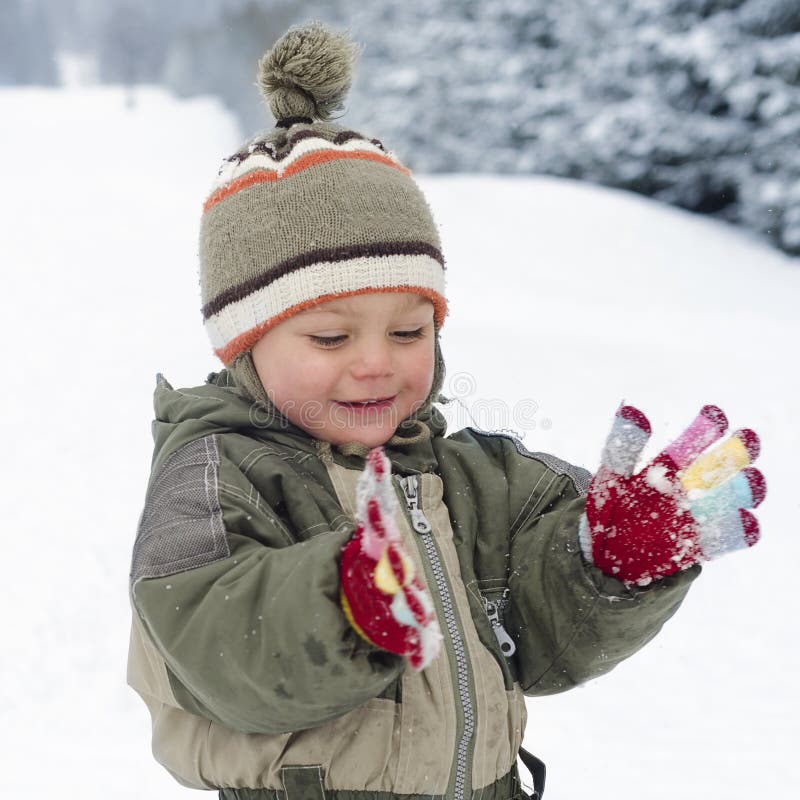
(419, 522)
(507, 646)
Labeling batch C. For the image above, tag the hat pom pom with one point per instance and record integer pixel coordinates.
(307, 73)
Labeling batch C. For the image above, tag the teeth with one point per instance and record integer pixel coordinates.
(366, 402)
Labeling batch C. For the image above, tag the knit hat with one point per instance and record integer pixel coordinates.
(309, 211)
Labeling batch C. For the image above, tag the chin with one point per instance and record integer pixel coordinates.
(375, 438)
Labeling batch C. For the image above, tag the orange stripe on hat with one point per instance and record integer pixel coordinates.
(251, 179)
(313, 159)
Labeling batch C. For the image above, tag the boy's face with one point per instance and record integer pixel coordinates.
(319, 366)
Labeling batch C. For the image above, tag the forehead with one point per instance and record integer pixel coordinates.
(372, 302)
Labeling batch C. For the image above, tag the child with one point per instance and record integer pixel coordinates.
(331, 597)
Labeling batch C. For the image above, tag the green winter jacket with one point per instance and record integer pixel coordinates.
(255, 681)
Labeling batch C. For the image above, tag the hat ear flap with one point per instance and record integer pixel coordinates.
(439, 371)
(244, 374)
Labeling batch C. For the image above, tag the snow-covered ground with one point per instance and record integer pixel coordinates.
(565, 299)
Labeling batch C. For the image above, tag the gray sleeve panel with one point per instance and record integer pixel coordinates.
(181, 526)
(579, 476)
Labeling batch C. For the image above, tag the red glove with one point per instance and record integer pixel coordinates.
(383, 598)
(685, 506)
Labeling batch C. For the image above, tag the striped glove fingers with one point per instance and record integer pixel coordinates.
(688, 504)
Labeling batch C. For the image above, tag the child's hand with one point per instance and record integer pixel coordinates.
(683, 507)
(381, 595)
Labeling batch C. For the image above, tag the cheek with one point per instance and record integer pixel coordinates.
(281, 379)
(308, 376)
(421, 371)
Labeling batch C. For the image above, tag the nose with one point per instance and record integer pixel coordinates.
(373, 359)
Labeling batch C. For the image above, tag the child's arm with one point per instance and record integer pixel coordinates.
(643, 529)
(571, 622)
(250, 626)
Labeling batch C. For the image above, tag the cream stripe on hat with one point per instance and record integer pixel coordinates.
(241, 323)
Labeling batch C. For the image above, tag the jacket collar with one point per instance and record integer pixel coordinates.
(219, 406)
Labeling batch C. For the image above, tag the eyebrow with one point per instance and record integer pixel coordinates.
(342, 307)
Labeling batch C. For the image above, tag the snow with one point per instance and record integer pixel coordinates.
(565, 298)
(656, 477)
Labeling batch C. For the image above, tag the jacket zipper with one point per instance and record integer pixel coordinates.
(493, 611)
(420, 523)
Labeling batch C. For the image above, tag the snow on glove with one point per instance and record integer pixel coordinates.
(685, 506)
(383, 598)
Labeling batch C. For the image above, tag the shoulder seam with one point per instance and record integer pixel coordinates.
(579, 476)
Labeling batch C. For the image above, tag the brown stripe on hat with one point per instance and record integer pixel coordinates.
(331, 255)
(280, 152)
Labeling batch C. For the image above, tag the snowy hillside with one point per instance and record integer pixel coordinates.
(565, 299)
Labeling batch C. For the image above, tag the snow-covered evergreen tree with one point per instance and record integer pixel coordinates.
(693, 102)
(26, 50)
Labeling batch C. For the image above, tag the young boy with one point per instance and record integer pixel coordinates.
(331, 598)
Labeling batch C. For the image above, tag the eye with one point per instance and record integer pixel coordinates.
(335, 341)
(327, 341)
(410, 336)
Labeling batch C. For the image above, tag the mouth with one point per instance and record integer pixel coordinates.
(359, 405)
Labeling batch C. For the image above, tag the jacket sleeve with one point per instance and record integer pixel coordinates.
(571, 622)
(246, 618)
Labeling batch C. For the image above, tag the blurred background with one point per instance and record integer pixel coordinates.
(693, 102)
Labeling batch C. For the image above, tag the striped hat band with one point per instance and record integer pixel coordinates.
(238, 318)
